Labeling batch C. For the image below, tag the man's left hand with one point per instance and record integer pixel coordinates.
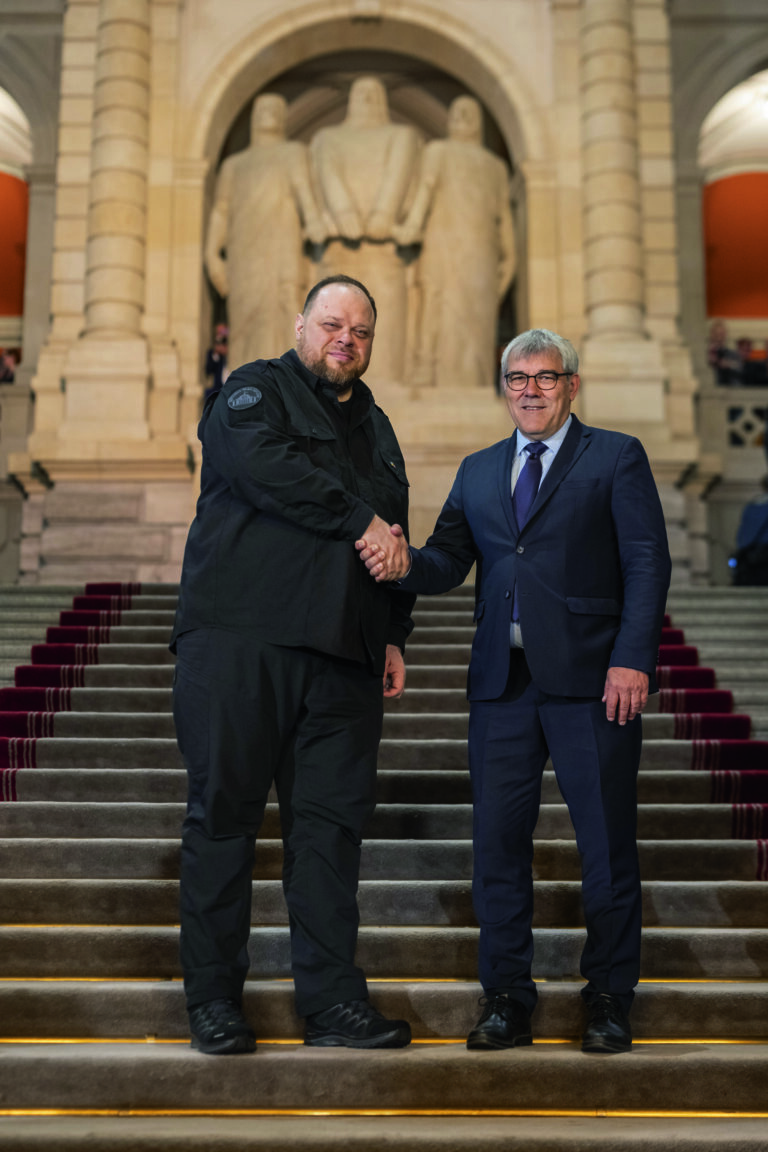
(626, 693)
(394, 673)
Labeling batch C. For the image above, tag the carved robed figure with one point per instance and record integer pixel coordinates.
(364, 168)
(461, 214)
(263, 209)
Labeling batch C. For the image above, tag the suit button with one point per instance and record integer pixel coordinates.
(519, 549)
(506, 595)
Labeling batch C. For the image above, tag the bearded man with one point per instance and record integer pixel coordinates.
(283, 643)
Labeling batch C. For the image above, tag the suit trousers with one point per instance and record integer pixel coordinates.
(249, 714)
(596, 764)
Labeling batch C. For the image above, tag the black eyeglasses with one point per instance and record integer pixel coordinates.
(545, 380)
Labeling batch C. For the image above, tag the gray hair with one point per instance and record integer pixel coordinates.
(537, 340)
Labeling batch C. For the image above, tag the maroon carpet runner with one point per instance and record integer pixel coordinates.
(43, 687)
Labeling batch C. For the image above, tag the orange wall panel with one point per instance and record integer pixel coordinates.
(14, 207)
(736, 242)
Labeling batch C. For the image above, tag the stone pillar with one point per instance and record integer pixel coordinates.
(613, 254)
(659, 217)
(73, 169)
(95, 458)
(107, 371)
(622, 367)
(114, 279)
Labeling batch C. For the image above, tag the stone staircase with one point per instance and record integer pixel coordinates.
(93, 1033)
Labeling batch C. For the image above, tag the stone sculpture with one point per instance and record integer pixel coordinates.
(364, 168)
(461, 215)
(264, 208)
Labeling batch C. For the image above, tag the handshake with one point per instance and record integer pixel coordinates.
(384, 550)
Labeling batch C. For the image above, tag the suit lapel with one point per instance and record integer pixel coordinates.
(576, 441)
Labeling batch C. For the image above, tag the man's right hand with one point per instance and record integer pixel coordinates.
(384, 550)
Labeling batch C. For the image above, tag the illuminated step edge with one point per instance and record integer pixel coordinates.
(681, 1078)
(436, 1009)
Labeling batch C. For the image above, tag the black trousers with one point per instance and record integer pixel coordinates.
(249, 714)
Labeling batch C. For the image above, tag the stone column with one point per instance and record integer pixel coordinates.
(107, 373)
(613, 255)
(94, 458)
(114, 279)
(622, 367)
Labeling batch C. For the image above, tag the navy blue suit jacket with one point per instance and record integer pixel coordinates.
(592, 563)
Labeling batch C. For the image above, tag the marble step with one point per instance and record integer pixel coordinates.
(124, 1010)
(439, 722)
(27, 616)
(390, 821)
(122, 675)
(695, 1077)
(395, 952)
(411, 742)
(109, 700)
(437, 710)
(666, 903)
(43, 591)
(168, 785)
(429, 689)
(319, 1132)
(124, 633)
(155, 653)
(30, 858)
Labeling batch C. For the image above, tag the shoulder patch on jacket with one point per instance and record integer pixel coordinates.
(244, 398)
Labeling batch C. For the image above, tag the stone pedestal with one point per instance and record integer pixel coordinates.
(436, 437)
(622, 383)
(105, 391)
(126, 531)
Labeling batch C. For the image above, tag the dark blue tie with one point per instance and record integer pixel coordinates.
(524, 495)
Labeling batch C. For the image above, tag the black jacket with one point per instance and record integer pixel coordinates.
(282, 501)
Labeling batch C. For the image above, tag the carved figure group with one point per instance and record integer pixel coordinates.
(428, 229)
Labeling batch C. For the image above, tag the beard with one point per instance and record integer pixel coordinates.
(339, 376)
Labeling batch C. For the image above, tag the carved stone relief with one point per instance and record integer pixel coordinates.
(428, 229)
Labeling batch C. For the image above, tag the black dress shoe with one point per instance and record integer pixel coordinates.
(607, 1027)
(355, 1024)
(220, 1029)
(504, 1023)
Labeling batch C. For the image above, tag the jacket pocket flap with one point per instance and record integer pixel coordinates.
(310, 429)
(394, 465)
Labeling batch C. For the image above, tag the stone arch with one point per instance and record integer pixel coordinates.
(725, 63)
(31, 79)
(285, 42)
(715, 74)
(279, 45)
(35, 93)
